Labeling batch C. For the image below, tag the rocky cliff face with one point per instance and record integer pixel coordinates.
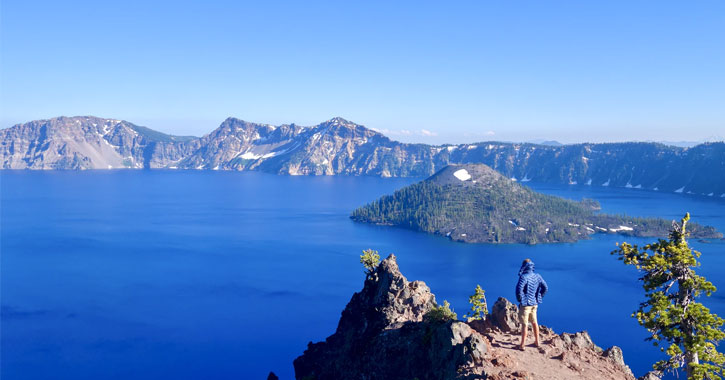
(631, 165)
(89, 143)
(338, 146)
(382, 335)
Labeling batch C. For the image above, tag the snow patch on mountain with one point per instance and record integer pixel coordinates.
(249, 156)
(462, 175)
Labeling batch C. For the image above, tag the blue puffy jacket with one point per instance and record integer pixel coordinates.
(531, 288)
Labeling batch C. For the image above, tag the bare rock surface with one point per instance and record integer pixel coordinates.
(87, 142)
(382, 335)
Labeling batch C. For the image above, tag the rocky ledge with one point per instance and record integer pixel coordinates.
(382, 335)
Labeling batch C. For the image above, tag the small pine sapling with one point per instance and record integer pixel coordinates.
(479, 307)
(370, 259)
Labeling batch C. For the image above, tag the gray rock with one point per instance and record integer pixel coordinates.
(615, 354)
(505, 316)
(651, 375)
(580, 339)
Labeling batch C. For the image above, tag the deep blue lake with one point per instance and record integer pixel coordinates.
(226, 275)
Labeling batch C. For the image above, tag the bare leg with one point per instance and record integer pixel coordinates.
(536, 332)
(524, 328)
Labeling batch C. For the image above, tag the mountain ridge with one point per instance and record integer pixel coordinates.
(338, 146)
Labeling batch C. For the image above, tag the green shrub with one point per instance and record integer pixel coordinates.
(370, 259)
(440, 313)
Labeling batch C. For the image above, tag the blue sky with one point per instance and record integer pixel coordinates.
(428, 72)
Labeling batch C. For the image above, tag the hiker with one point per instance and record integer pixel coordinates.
(530, 290)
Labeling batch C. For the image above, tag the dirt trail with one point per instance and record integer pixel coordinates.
(560, 357)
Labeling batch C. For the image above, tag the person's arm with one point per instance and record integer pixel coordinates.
(520, 289)
(543, 286)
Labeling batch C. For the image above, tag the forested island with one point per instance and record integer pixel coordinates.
(475, 204)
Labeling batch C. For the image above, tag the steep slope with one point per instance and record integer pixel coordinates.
(382, 334)
(338, 146)
(88, 142)
(635, 165)
(240, 145)
(474, 203)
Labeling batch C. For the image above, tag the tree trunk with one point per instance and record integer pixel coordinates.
(690, 358)
(685, 298)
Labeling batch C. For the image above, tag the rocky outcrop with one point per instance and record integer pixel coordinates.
(382, 335)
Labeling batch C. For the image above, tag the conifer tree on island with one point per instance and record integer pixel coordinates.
(671, 313)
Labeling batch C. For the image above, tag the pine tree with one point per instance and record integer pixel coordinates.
(671, 313)
(479, 307)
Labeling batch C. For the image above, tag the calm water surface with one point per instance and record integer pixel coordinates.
(187, 275)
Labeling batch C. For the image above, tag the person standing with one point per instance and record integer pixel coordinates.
(530, 291)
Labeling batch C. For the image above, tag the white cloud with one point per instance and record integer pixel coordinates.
(405, 132)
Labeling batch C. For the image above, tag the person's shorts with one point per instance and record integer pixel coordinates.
(528, 314)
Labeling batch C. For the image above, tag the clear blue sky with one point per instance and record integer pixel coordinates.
(454, 72)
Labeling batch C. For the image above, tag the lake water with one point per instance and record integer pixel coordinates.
(226, 275)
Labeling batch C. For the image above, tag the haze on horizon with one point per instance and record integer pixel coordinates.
(470, 71)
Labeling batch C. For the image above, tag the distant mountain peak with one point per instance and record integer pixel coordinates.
(340, 121)
(235, 120)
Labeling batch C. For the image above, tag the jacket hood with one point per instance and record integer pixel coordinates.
(526, 267)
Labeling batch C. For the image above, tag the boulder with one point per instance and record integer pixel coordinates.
(615, 354)
(505, 316)
(651, 375)
(580, 340)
